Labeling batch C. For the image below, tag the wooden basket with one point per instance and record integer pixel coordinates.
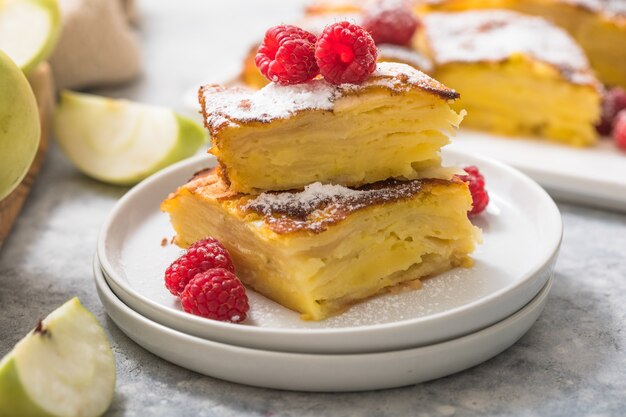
(10, 206)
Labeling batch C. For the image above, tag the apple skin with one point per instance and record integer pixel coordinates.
(14, 401)
(55, 20)
(78, 115)
(20, 128)
(46, 49)
(190, 137)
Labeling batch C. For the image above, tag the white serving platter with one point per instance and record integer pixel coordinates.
(522, 234)
(592, 176)
(318, 372)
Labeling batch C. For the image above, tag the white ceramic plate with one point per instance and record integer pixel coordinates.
(314, 372)
(522, 233)
(594, 176)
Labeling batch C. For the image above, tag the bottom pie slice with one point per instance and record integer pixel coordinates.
(320, 250)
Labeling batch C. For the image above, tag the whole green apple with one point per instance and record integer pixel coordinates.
(20, 128)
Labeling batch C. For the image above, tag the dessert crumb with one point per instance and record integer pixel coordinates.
(164, 242)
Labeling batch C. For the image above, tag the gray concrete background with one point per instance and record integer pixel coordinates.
(571, 363)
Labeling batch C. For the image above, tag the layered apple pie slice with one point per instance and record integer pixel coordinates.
(286, 137)
(322, 249)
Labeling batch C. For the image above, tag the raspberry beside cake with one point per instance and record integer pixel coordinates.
(320, 250)
(517, 74)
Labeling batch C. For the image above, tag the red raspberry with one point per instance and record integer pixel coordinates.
(287, 55)
(613, 102)
(201, 256)
(476, 182)
(393, 23)
(345, 53)
(216, 294)
(619, 130)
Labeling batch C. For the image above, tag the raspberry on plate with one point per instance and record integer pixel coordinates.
(391, 22)
(613, 102)
(476, 183)
(203, 255)
(287, 55)
(216, 294)
(619, 130)
(345, 53)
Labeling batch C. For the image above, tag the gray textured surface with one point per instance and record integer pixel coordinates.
(571, 363)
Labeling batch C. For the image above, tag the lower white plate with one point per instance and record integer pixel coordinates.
(593, 176)
(522, 232)
(317, 372)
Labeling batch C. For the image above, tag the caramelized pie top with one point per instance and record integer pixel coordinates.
(232, 107)
(315, 208)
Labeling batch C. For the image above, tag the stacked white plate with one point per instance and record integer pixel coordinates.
(455, 321)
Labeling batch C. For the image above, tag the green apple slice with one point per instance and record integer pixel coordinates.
(122, 142)
(20, 128)
(29, 30)
(63, 368)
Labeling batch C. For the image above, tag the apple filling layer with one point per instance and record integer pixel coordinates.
(323, 249)
(286, 137)
(521, 97)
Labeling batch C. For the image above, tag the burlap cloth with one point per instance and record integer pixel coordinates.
(98, 45)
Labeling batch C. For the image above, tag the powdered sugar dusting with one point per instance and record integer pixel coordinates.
(313, 196)
(319, 205)
(231, 107)
(228, 106)
(495, 35)
(400, 77)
